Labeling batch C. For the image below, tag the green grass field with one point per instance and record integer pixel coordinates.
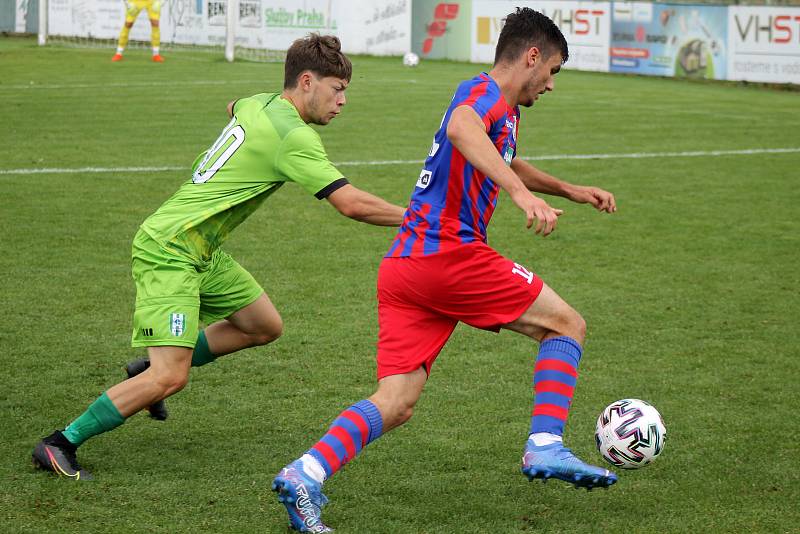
(690, 292)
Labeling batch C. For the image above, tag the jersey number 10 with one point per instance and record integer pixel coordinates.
(230, 139)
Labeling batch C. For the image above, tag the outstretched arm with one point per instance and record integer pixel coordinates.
(365, 207)
(467, 133)
(541, 182)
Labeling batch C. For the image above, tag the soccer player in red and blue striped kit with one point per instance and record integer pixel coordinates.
(439, 271)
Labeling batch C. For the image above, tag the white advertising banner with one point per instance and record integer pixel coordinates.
(100, 19)
(764, 44)
(379, 27)
(274, 24)
(200, 22)
(21, 15)
(586, 26)
(181, 20)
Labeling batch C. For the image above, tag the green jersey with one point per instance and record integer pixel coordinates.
(265, 145)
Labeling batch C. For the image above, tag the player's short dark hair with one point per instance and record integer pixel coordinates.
(526, 28)
(321, 54)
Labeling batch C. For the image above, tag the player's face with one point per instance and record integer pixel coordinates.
(541, 79)
(327, 99)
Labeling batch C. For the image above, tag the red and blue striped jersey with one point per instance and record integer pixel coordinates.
(452, 202)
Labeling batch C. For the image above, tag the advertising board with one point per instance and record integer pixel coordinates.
(585, 25)
(764, 44)
(669, 39)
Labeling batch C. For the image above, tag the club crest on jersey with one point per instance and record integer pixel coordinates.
(424, 179)
(177, 323)
(509, 155)
(512, 128)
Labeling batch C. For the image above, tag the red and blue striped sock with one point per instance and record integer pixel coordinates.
(354, 429)
(554, 379)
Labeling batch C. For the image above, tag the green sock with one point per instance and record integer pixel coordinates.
(202, 354)
(101, 416)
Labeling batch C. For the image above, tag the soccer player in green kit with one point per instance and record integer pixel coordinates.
(183, 277)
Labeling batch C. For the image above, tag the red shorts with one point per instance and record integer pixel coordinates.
(422, 298)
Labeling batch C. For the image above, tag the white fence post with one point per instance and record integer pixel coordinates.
(42, 22)
(230, 28)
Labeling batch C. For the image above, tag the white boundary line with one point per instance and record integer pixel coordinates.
(48, 86)
(632, 155)
(36, 85)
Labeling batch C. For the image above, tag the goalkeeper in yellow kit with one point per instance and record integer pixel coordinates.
(132, 10)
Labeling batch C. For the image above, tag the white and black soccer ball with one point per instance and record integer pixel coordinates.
(410, 59)
(630, 433)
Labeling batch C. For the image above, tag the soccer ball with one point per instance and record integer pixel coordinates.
(630, 433)
(411, 59)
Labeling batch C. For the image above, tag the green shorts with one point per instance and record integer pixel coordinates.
(173, 294)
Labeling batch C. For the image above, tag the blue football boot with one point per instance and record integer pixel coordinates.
(302, 496)
(557, 461)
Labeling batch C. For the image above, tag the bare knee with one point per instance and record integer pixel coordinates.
(394, 411)
(397, 415)
(573, 325)
(580, 328)
(397, 395)
(170, 382)
(268, 333)
(403, 414)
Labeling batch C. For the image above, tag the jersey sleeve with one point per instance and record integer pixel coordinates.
(486, 102)
(261, 100)
(302, 159)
